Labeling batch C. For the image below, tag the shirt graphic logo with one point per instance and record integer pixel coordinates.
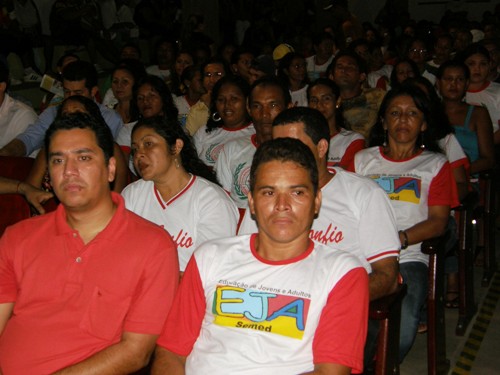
(262, 309)
(213, 152)
(241, 177)
(405, 189)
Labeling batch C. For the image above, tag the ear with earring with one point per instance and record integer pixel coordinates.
(216, 117)
(422, 143)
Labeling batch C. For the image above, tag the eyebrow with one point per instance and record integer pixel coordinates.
(78, 152)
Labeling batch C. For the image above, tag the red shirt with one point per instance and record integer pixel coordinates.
(73, 300)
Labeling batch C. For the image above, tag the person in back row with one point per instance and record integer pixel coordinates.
(355, 215)
(267, 98)
(79, 78)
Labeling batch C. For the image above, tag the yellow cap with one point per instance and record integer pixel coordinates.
(281, 50)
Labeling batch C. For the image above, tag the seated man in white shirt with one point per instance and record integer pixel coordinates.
(272, 301)
(15, 116)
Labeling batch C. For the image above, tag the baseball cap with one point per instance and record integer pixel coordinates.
(265, 64)
(281, 50)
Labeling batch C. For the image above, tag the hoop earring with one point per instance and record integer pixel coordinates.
(385, 138)
(216, 117)
(422, 144)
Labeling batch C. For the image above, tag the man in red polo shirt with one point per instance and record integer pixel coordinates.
(87, 287)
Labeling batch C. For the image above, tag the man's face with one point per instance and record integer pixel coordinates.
(72, 88)
(211, 74)
(443, 49)
(346, 73)
(296, 130)
(494, 56)
(418, 53)
(283, 202)
(242, 67)
(267, 103)
(78, 170)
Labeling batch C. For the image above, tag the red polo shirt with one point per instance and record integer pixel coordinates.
(73, 300)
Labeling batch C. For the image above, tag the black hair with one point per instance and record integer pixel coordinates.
(360, 62)
(215, 60)
(315, 124)
(80, 120)
(176, 81)
(285, 63)
(189, 72)
(4, 73)
(473, 49)
(170, 130)
(441, 119)
(61, 59)
(81, 71)
(339, 118)
(132, 45)
(136, 69)
(285, 150)
(453, 64)
(169, 109)
(271, 82)
(90, 106)
(237, 81)
(429, 137)
(394, 78)
(235, 57)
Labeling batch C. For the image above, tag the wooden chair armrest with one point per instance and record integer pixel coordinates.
(381, 308)
(469, 202)
(434, 245)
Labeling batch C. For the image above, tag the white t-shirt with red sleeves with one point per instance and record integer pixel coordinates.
(199, 212)
(210, 144)
(233, 168)
(488, 97)
(355, 216)
(236, 312)
(343, 146)
(412, 185)
(453, 151)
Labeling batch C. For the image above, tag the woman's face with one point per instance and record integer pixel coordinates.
(323, 99)
(149, 101)
(404, 71)
(452, 84)
(231, 106)
(297, 69)
(196, 84)
(153, 158)
(403, 121)
(182, 62)
(479, 67)
(122, 84)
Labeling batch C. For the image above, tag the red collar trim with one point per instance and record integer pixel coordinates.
(298, 258)
(253, 139)
(398, 161)
(486, 84)
(237, 129)
(175, 197)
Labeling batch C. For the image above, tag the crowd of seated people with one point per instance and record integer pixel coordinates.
(400, 121)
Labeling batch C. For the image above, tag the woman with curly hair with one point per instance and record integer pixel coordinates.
(228, 119)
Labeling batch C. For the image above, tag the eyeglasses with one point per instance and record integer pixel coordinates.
(214, 74)
(420, 51)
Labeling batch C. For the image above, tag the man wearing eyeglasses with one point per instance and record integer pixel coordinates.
(419, 54)
(213, 70)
